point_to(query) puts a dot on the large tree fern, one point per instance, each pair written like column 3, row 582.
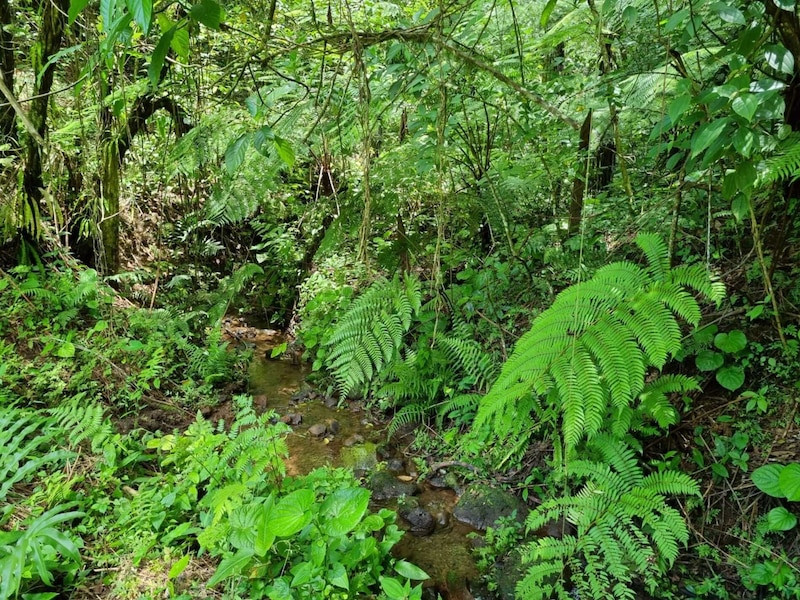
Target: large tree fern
column 620, row 529
column 585, row 358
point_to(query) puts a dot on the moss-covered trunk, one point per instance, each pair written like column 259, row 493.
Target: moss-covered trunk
column 8, row 120
column 51, row 32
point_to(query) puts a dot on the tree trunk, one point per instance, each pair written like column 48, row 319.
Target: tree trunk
column 8, row 120
column 579, row 182
column 48, row 43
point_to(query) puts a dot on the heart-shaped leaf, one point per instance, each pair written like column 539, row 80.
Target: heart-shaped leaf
column 731, row 342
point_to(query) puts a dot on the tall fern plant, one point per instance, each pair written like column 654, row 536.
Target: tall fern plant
column 368, row 337
column 620, row 528
column 583, row 362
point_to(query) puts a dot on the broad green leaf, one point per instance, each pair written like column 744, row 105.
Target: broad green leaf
column 292, row 513
column 75, row 8
column 728, row 13
column 788, row 5
column 371, row 523
column 302, row 574
column 108, row 9
column 66, row 350
column 233, row 565
column 745, row 105
column 179, row 566
column 410, row 571
column 264, row 535
column 261, row 137
column 676, row 20
column 707, row 134
column 780, row 519
column 708, row 360
column 337, row 575
column 180, row 43
column 731, row 377
column 745, row 175
column 285, row 150
column 548, row 10
column 236, row 151
column 780, row 59
column 731, row 342
column 343, row 510
column 789, row 480
column 142, row 12
column 720, row 470
column 158, row 56
column 740, row 207
column 393, row 588
column 744, row 141
column 207, row 12
column 629, row 15
column 679, row 106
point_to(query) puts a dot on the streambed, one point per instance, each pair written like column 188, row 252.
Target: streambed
column 326, row 435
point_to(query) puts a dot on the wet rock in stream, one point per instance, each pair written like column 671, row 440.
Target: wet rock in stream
column 421, row 521
column 293, row 419
column 385, row 486
column 317, row 429
column 354, row 439
column 359, row 457
column 480, row 506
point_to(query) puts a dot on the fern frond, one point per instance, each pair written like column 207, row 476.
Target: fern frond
column 82, row 420
column 588, row 353
column 368, row 336
column 626, row 530
column 784, row 165
column 409, row 414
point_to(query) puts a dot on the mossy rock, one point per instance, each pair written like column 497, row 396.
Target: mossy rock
column 480, row 506
column 360, row 457
column 384, row 486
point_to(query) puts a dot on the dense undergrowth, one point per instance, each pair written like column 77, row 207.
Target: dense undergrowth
column 111, row 486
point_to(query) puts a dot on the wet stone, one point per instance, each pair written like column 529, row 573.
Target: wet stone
column 354, row 439
column 480, row 506
column 330, row 401
column 317, row 430
column 384, row 486
column 292, row 419
column 332, row 426
column 421, row 521
column 395, row 465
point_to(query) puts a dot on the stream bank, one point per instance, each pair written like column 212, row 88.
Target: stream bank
column 325, row 434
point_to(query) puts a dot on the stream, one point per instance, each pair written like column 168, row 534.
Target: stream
column 327, row 435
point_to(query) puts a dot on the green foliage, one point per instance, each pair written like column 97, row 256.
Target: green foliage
column 624, row 528
column 587, row 355
column 37, row 550
column 368, row 337
column 27, row 441
column 779, row 481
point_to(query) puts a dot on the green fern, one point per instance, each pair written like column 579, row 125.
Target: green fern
column 82, row 420
column 784, row 165
column 624, row 528
column 26, row 439
column 587, row 355
column 229, row 289
column 369, row 335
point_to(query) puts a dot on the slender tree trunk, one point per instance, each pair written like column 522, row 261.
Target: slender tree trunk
column 8, row 121
column 579, row 182
column 109, row 193
column 51, row 31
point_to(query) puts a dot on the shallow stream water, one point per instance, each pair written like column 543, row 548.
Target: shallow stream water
column 445, row 554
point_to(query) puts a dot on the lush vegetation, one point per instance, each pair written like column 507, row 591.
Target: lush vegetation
column 559, row 236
